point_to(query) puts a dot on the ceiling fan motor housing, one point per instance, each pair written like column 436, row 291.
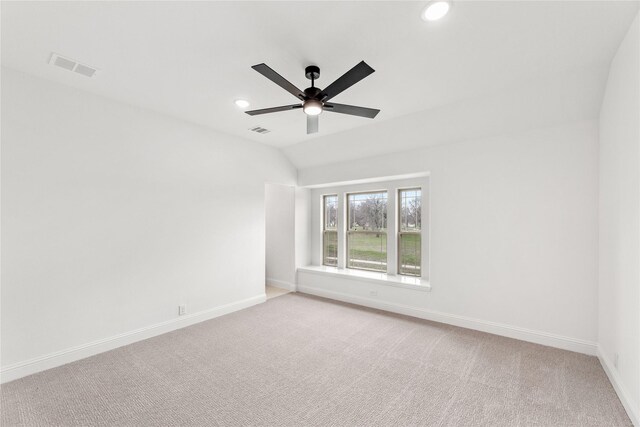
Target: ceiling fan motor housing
column 312, row 105
column 312, row 92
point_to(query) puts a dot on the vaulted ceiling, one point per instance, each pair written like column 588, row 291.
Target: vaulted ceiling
column 192, row 59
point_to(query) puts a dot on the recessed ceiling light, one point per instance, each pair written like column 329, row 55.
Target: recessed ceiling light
column 242, row 103
column 435, row 10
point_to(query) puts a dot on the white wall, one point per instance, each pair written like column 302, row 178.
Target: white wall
column 513, row 231
column 619, row 287
column 288, row 234
column 303, row 226
column 112, row 216
column 280, row 235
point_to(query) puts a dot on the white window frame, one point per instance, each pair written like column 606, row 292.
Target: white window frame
column 349, row 231
column 400, row 232
column 392, row 188
column 325, row 229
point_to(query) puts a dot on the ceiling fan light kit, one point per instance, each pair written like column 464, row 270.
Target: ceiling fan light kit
column 312, row 107
column 314, row 100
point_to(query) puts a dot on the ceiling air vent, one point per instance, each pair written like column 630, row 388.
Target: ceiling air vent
column 71, row 65
column 259, row 129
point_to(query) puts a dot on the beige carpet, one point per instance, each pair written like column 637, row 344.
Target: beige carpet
column 298, row 360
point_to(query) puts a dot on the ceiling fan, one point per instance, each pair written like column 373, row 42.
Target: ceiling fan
column 314, row 100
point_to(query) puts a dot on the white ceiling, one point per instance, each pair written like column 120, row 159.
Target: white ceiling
column 192, row 59
column 564, row 98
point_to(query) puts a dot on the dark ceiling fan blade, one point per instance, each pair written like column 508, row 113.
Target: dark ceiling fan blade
column 347, row 80
column 273, row 109
column 351, row 109
column 312, row 124
column 285, row 84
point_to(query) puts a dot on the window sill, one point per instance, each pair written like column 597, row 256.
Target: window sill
column 415, row 283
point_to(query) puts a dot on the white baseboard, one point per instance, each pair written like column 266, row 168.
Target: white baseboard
column 62, row 357
column 538, row 337
column 281, row 284
column 632, row 409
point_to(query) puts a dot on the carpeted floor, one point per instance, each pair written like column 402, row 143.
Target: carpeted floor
column 298, row 360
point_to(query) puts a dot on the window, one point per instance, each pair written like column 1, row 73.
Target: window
column 409, row 231
column 375, row 227
column 367, row 231
column 330, row 230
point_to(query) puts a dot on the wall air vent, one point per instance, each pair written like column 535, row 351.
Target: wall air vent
column 71, row 65
column 259, row 129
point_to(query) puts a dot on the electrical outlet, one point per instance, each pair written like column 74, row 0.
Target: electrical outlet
column 182, row 310
column 615, row 359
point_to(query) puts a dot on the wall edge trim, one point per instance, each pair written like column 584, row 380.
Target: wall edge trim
column 509, row 331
